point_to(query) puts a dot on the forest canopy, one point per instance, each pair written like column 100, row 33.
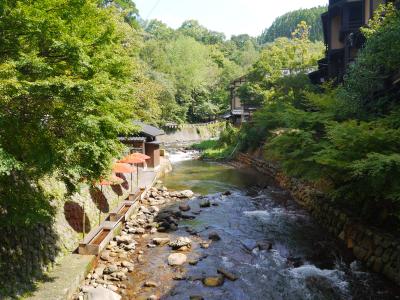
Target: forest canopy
column 284, row 25
column 193, row 67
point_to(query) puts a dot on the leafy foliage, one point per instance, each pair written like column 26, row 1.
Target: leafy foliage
column 281, row 68
column 376, row 62
column 284, row 25
column 221, row 149
column 69, row 86
column 344, row 140
column 193, row 66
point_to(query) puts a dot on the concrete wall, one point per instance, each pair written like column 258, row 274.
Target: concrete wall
column 378, row 250
column 195, row 132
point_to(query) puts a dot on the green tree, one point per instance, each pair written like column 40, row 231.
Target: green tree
column 375, row 64
column 284, row 25
column 67, row 88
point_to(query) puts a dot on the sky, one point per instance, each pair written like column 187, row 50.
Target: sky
column 231, row 17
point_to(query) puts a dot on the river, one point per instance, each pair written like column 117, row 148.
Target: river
column 304, row 263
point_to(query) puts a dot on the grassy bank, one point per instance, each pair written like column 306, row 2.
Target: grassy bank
column 220, row 149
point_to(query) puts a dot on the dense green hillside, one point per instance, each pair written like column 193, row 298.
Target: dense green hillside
column 284, row 25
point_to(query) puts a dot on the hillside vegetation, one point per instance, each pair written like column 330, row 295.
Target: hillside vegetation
column 284, row 25
column 344, row 140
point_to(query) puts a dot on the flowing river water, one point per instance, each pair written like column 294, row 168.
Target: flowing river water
column 305, row 262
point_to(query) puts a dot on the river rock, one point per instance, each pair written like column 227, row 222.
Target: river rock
column 193, row 262
column 127, row 264
column 154, row 209
column 161, row 241
column 152, row 297
column 137, row 230
column 294, row 261
column 150, row 284
column 177, row 259
column 184, row 207
column 110, row 269
column 186, row 194
column 196, row 297
column 205, row 203
column 322, row 285
column 227, row 193
column 106, row 256
column 187, row 217
column 99, row 270
column 214, row 281
column 264, row 245
column 205, row 245
column 249, row 244
column 113, row 254
column 173, row 227
column 112, row 287
column 144, row 210
column 214, row 236
column 180, row 242
column 124, row 239
column 119, row 275
column 228, row 275
column 131, row 246
column 101, row 293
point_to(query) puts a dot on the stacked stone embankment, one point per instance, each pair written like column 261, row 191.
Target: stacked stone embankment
column 380, row 251
column 110, row 277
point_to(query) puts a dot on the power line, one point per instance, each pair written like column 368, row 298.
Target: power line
column 153, row 9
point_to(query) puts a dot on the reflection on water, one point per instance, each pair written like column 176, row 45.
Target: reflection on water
column 211, row 177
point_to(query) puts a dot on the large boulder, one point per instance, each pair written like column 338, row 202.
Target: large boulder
column 205, row 203
column 161, row 241
column 214, row 281
column 214, row 236
column 101, row 293
column 125, row 239
column 180, row 242
column 186, row 194
column 177, row 259
column 184, row 207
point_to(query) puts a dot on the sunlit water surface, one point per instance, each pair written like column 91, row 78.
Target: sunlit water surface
column 304, row 263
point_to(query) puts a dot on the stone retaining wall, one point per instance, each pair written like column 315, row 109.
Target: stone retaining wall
column 27, row 254
column 378, row 250
column 192, row 132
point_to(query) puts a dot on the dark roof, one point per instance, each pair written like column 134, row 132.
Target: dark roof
column 226, row 116
column 241, row 78
column 148, row 130
column 132, row 139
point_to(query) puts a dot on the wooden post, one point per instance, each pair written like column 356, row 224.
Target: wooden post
column 83, row 221
column 98, row 204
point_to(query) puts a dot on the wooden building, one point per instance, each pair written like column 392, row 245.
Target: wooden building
column 145, row 142
column 239, row 112
column 342, row 36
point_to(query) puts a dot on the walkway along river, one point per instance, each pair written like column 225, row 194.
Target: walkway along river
column 247, row 237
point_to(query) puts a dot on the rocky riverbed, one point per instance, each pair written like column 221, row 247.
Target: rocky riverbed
column 147, row 230
column 236, row 236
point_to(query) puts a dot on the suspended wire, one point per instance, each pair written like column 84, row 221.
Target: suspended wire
column 153, row 9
